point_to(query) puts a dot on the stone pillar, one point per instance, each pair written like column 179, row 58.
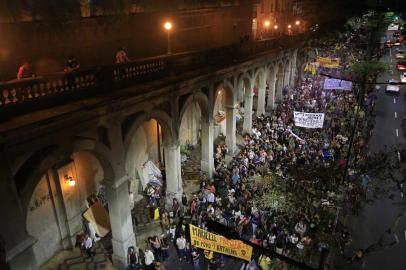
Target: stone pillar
column 231, row 129
column 120, row 220
column 15, row 244
column 174, row 187
column 279, row 87
column 247, row 125
column 207, row 162
column 293, row 69
column 261, row 100
column 271, row 96
column 286, row 79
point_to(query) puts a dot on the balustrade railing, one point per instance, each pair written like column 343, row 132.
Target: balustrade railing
column 17, row 93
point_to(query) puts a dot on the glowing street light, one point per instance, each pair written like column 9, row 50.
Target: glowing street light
column 297, row 22
column 168, row 27
column 276, row 27
column 289, row 26
column 267, row 23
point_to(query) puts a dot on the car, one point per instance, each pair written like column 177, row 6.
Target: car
column 392, row 86
column 403, row 77
column 400, row 54
column 401, row 65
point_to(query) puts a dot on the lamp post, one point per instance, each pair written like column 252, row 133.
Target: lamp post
column 168, row 28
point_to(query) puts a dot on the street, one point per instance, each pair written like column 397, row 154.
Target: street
column 377, row 217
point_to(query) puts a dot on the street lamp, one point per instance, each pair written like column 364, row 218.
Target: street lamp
column 267, row 23
column 297, row 22
column 168, row 27
column 276, row 27
column 289, row 26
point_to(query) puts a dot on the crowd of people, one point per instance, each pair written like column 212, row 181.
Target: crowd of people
column 287, row 156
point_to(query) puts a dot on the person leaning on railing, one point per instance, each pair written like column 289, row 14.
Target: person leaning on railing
column 24, row 71
column 72, row 64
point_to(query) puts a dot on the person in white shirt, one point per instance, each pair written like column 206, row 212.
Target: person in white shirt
column 149, row 260
column 87, row 244
column 181, row 245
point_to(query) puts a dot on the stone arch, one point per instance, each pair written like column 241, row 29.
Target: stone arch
column 161, row 117
column 259, row 83
column 41, row 161
column 230, row 111
column 201, row 99
column 244, row 82
column 229, row 93
column 42, row 190
column 271, row 73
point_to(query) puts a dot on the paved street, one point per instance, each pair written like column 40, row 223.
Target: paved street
column 378, row 216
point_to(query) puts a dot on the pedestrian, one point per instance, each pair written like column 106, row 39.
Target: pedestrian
column 149, row 260
column 87, row 246
column 184, row 199
column 132, row 259
column 181, row 245
column 195, row 259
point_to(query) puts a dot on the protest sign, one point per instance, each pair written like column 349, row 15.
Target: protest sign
column 209, row 241
column 337, row 84
column 328, row 62
column 309, row 120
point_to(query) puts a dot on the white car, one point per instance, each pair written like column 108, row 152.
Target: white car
column 397, row 43
column 393, row 86
column 403, row 77
column 400, row 54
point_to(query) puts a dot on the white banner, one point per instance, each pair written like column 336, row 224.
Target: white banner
column 337, row 84
column 393, row 27
column 309, row 120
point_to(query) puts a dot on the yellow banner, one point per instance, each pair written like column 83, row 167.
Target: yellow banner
column 217, row 243
column 328, row 62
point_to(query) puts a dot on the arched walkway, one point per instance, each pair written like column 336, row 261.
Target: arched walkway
column 224, row 114
column 61, row 196
column 149, row 143
column 260, row 85
column 196, row 128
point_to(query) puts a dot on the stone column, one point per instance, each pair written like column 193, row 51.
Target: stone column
column 286, row 79
column 16, row 244
column 261, row 100
column 207, row 162
column 279, row 87
column 120, row 220
column 293, row 69
column 247, row 125
column 174, row 187
column 271, row 96
column 231, row 129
